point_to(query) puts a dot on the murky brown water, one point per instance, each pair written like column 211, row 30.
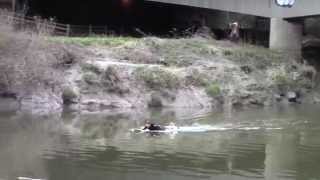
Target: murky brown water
column 276, row 143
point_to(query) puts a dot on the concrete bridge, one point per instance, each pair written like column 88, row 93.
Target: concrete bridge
column 264, row 8
column 287, row 16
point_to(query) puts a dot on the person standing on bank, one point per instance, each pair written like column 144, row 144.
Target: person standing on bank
column 234, row 35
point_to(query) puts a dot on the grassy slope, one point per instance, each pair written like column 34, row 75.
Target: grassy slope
column 94, row 40
column 205, row 63
column 188, row 52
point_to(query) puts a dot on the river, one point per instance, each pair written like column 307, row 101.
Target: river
column 269, row 143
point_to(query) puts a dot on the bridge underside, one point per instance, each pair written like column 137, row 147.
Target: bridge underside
column 286, row 26
column 264, row 8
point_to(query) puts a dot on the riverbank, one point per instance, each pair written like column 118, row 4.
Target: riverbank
column 100, row 73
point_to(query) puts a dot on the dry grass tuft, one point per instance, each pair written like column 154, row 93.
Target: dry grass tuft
column 28, row 60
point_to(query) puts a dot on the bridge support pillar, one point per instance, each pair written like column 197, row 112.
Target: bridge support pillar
column 286, row 36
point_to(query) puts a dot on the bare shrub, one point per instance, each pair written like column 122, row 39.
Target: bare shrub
column 44, row 26
column 69, row 95
column 6, row 17
column 28, row 66
column 28, row 61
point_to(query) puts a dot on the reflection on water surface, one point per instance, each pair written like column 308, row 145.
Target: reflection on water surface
column 275, row 143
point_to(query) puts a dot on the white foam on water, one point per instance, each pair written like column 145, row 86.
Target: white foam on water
column 194, row 128
column 250, row 128
column 205, row 128
column 27, row 178
column 275, row 128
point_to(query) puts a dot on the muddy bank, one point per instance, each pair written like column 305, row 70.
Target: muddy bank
column 175, row 73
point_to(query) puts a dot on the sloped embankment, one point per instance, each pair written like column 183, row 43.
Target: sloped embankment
column 193, row 72
column 43, row 75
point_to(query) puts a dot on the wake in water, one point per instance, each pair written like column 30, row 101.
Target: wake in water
column 172, row 128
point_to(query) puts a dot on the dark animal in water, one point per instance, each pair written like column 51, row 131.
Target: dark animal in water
column 153, row 127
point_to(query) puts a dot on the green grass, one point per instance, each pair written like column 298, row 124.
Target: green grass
column 213, row 90
column 90, row 78
column 88, row 67
column 94, row 40
column 157, row 78
column 69, row 95
column 197, row 78
column 3, row 40
column 258, row 57
column 179, row 52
